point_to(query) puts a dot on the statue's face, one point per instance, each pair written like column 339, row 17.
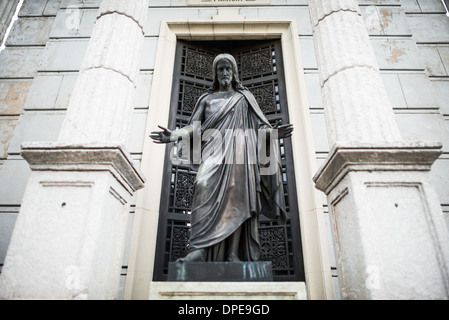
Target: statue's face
column 224, row 73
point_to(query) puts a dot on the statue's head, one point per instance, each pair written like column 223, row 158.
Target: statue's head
column 235, row 79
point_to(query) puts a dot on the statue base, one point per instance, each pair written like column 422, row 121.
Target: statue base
column 220, row 271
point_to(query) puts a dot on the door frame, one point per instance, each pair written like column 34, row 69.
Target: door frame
column 229, row 25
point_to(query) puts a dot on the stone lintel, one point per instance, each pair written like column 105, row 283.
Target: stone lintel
column 356, row 156
column 84, row 157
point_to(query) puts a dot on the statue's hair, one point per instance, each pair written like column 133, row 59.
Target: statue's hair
column 236, row 84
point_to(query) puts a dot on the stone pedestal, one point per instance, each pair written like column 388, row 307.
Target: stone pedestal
column 389, row 233
column 220, row 271
column 69, row 237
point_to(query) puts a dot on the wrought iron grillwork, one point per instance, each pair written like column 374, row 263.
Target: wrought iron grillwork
column 196, row 63
column 258, row 62
column 260, row 66
column 178, row 234
column 267, row 96
column 276, row 247
column 183, row 181
column 188, row 96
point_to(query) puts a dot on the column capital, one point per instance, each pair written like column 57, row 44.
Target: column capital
column 356, row 156
column 84, row 157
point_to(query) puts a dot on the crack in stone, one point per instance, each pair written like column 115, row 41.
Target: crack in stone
column 123, row 14
column 347, row 68
column 113, row 70
column 336, row 11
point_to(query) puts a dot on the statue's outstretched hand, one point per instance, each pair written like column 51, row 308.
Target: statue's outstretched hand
column 161, row 137
column 284, row 131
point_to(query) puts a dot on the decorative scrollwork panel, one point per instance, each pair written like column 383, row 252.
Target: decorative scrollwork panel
column 188, row 96
column 197, row 63
column 258, row 62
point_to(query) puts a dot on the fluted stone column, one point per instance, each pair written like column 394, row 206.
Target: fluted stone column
column 7, row 10
column 101, row 106
column 389, row 234
column 70, row 233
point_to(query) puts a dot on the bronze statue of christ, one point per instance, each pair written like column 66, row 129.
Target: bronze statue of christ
column 233, row 187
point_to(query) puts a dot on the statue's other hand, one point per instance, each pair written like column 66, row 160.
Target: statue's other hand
column 161, row 137
column 284, row 131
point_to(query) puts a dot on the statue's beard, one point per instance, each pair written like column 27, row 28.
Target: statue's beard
column 226, row 82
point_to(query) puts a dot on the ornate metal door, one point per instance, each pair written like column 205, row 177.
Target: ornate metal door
column 261, row 71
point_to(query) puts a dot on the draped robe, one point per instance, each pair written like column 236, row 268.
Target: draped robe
column 229, row 191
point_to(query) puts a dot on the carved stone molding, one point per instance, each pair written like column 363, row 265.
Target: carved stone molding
column 401, row 156
column 90, row 157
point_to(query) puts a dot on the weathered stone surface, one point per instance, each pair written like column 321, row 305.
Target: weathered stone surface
column 349, row 44
column 99, row 94
column 63, row 55
column 86, row 157
column 69, row 206
column 441, row 89
column 32, row 8
column 7, row 10
column 7, row 126
column 434, row 60
column 221, row 291
column 355, row 100
column 106, row 86
column 381, row 21
column 13, row 94
column 396, row 230
column 36, row 126
column 424, row 127
column 397, row 53
column 80, row 188
column 116, row 52
column 74, row 23
column 358, row 108
column 384, row 210
column 30, row 31
column 440, row 179
column 420, row 24
column 20, row 62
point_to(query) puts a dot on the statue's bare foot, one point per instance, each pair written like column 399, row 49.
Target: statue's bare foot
column 194, row 256
column 233, row 257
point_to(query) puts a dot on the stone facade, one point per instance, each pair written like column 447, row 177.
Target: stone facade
column 7, row 10
column 44, row 59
